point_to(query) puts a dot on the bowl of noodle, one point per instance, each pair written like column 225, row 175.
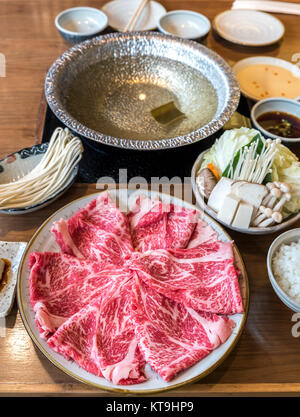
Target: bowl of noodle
column 34, row 177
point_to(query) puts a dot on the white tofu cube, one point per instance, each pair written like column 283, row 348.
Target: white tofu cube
column 219, row 192
column 243, row 215
column 228, row 208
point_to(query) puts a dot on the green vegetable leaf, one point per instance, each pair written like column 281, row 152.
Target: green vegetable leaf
column 236, row 158
column 224, row 148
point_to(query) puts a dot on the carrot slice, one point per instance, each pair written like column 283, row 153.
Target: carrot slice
column 213, row 170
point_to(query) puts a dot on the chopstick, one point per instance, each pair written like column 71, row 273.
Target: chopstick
column 135, row 17
column 267, row 6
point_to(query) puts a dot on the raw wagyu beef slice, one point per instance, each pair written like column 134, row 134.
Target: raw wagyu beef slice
column 172, row 337
column 101, row 338
column 148, row 224
column 203, row 233
column 155, row 225
column 60, row 285
column 151, row 286
column 75, row 338
column 99, row 231
column 181, row 224
column 203, row 278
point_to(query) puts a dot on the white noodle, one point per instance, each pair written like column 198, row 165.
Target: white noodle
column 51, row 174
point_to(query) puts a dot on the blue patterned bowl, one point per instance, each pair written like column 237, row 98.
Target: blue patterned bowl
column 80, row 23
column 18, row 164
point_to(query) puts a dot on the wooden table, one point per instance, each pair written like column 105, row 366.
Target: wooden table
column 267, row 358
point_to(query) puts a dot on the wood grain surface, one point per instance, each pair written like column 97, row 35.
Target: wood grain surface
column 267, row 358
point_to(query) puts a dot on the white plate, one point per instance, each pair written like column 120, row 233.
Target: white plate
column 13, row 252
column 251, row 230
column 248, row 27
column 265, row 60
column 44, row 241
column 119, row 12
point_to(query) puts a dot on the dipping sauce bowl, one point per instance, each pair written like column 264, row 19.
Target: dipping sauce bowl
column 80, row 23
column 184, row 24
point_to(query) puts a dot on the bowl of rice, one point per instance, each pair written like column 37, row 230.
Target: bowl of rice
column 283, row 268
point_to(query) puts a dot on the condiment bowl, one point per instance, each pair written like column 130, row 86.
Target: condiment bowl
column 284, row 105
column 288, row 237
column 184, row 24
column 268, row 80
column 80, row 23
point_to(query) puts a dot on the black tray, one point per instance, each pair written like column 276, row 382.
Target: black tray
column 106, row 161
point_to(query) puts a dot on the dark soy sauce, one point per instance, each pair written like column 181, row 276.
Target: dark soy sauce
column 280, row 124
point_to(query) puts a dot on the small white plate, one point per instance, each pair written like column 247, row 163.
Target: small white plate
column 249, row 27
column 11, row 251
column 119, row 12
column 43, row 240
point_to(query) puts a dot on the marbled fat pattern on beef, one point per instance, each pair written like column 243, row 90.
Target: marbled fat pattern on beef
column 119, row 295
column 171, row 336
column 203, row 278
column 155, row 225
column 60, row 285
column 99, row 231
column 203, row 233
column 101, row 337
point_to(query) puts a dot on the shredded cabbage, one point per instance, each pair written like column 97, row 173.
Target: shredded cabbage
column 286, row 168
column 227, row 146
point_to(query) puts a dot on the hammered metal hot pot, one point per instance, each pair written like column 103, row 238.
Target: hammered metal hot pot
column 109, row 80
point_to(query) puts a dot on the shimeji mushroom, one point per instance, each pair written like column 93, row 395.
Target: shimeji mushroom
column 286, row 197
column 270, row 199
column 270, row 211
column 265, row 213
column 275, row 218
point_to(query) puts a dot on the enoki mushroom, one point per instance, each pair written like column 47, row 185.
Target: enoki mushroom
column 254, row 167
column 52, row 173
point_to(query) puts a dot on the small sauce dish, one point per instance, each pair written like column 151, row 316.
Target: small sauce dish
column 286, row 107
column 80, row 23
column 286, row 238
column 184, row 24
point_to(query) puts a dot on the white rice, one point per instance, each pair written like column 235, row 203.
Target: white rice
column 286, row 269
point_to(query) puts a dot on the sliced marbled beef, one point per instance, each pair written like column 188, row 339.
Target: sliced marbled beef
column 146, row 286
column 203, row 233
column 203, row 278
column 99, row 231
column 155, row 225
column 173, row 337
column 60, row 285
column 101, row 337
